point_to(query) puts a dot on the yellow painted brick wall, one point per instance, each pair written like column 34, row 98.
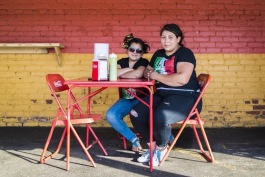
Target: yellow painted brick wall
column 235, row 98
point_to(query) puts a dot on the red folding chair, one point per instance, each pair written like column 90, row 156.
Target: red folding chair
column 56, row 85
column 194, row 119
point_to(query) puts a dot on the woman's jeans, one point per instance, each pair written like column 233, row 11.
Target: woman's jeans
column 116, row 114
column 167, row 109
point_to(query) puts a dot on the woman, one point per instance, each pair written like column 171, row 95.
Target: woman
column 173, row 68
column 131, row 67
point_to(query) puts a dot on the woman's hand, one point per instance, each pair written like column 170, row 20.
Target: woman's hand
column 147, row 72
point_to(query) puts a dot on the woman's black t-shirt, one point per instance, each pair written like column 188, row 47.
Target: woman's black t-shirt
column 164, row 64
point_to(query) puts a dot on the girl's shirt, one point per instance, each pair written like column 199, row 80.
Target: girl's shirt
column 124, row 63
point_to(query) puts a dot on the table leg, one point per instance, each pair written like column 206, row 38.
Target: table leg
column 151, row 130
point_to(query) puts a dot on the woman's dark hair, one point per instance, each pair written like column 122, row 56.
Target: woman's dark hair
column 174, row 29
column 129, row 39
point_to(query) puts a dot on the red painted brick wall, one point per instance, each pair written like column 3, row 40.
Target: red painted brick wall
column 227, row 37
column 210, row 26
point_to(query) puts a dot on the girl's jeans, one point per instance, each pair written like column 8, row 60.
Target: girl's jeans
column 115, row 116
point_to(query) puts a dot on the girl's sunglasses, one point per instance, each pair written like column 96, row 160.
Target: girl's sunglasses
column 135, row 50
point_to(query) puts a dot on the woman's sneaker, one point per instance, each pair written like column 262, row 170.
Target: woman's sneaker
column 136, row 146
column 158, row 156
column 145, row 157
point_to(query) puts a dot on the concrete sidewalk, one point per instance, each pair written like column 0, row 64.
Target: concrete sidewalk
column 238, row 152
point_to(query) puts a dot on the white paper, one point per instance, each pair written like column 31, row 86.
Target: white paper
column 102, row 69
column 101, row 48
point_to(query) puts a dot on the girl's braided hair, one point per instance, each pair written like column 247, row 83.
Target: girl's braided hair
column 129, row 39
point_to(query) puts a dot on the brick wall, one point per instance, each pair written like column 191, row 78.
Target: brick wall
column 235, row 98
column 227, row 37
column 210, row 26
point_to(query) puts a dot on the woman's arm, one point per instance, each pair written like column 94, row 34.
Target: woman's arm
column 182, row 77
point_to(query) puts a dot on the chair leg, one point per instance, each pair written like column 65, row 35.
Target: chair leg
column 208, row 156
column 43, row 159
column 87, row 136
column 82, row 145
column 172, row 144
column 90, row 130
column 124, row 143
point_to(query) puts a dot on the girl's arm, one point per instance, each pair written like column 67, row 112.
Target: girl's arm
column 133, row 73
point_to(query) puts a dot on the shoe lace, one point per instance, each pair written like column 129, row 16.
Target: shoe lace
column 146, row 154
column 156, row 154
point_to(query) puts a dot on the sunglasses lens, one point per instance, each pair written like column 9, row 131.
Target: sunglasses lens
column 138, row 51
column 133, row 50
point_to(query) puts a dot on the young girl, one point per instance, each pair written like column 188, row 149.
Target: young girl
column 132, row 66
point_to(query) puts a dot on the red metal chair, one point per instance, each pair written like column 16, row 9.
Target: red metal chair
column 194, row 119
column 56, row 85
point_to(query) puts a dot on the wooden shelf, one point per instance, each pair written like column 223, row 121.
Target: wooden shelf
column 22, row 48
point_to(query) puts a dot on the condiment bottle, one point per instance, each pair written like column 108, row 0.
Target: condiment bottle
column 95, row 69
column 113, row 67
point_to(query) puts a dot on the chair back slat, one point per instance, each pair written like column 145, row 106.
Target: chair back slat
column 203, row 80
column 56, row 82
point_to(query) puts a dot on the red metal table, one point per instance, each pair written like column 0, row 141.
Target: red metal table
column 120, row 83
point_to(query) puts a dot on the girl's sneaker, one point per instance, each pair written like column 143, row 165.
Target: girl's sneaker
column 136, row 146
